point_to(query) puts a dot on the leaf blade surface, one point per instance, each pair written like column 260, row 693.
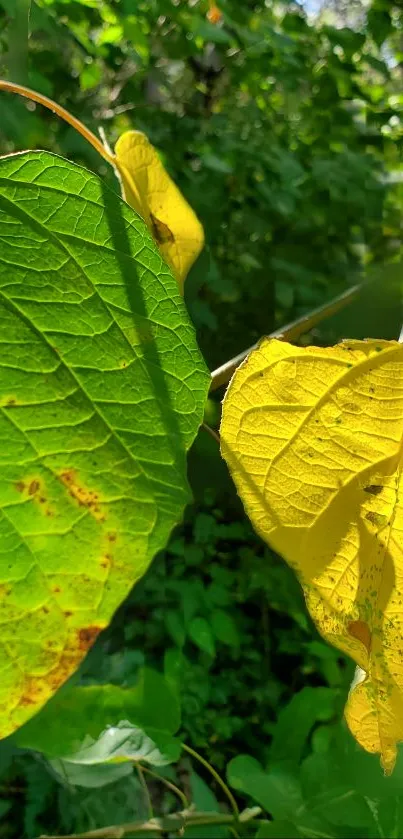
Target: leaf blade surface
column 102, row 390
column 313, row 438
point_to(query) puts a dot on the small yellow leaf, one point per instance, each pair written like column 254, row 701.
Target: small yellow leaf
column 149, row 190
column 314, row 441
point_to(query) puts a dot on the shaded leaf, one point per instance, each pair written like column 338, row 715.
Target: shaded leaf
column 102, row 390
column 116, row 745
column 224, row 628
column 150, row 190
column 78, row 712
column 200, row 632
column 280, row 829
column 278, row 790
column 296, row 720
column 313, row 438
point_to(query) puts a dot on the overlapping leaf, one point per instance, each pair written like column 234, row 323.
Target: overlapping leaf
column 102, row 390
column 149, row 189
column 314, row 441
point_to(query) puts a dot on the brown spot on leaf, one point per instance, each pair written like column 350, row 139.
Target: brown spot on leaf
column 373, row 489
column 84, row 496
column 33, row 487
column 27, row 700
column 161, row 231
column 87, row 636
column 20, row 486
column 378, row 519
column 111, row 537
column 361, row 631
column 68, row 614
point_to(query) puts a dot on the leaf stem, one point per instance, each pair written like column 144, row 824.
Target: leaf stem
column 166, row 824
column 181, row 795
column 217, row 778
column 211, row 431
column 143, row 782
column 290, row 332
column 61, row 112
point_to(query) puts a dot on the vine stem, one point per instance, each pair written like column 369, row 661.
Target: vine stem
column 61, row 112
column 181, row 795
column 217, row 778
column 212, row 432
column 143, row 782
column 290, row 332
column 173, row 823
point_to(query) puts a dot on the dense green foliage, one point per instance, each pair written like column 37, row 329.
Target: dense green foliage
column 284, row 133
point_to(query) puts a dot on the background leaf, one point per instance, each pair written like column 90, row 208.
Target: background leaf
column 79, row 712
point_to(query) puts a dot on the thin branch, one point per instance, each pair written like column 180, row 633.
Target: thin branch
column 211, row 431
column 290, row 332
column 217, row 778
column 181, row 795
column 147, row 796
column 62, row 113
column 166, row 824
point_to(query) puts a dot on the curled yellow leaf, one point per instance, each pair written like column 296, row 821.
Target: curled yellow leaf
column 152, row 193
column 314, row 441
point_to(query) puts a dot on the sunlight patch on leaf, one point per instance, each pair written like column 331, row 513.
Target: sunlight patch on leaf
column 313, row 438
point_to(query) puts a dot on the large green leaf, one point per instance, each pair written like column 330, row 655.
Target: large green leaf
column 102, row 389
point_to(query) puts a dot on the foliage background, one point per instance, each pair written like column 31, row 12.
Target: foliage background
column 281, row 123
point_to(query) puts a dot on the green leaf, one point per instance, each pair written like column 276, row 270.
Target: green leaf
column 102, row 388
column 329, row 796
column 92, row 777
column 204, row 801
column 224, row 628
column 115, row 746
column 295, row 721
column 175, row 628
column 280, row 829
column 278, row 791
column 200, row 633
column 77, row 712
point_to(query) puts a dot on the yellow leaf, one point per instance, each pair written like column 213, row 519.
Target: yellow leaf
column 149, row 190
column 314, row 441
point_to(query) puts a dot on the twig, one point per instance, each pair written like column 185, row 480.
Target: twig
column 166, row 824
column 217, row 778
column 147, row 796
column 62, row 113
column 181, row 795
column 211, row 431
column 291, row 331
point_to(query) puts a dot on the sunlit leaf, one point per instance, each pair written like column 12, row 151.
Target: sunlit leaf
column 102, row 389
column 150, row 190
column 313, row 438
